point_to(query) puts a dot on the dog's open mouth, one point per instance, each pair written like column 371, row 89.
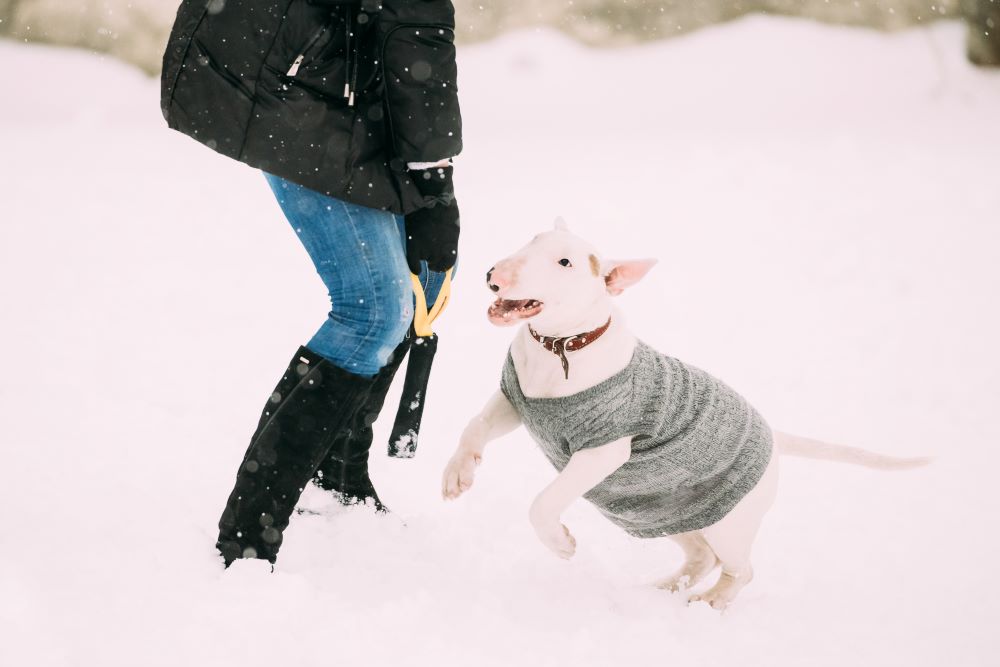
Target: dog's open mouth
column 507, row 311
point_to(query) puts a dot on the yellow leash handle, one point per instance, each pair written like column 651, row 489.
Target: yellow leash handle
column 422, row 317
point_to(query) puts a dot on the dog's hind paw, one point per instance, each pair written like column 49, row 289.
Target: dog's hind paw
column 675, row 584
column 689, row 575
column 725, row 590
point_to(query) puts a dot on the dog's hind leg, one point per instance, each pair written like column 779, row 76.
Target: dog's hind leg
column 731, row 545
column 732, row 539
column 699, row 560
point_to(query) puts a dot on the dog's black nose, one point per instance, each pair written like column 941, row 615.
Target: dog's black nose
column 489, row 281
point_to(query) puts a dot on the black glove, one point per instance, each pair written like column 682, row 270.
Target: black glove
column 432, row 231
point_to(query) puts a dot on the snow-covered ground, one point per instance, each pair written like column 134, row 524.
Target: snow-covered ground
column 826, row 206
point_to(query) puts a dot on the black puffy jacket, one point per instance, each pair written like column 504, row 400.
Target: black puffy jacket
column 336, row 95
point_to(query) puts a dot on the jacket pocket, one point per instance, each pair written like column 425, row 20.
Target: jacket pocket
column 308, row 48
column 336, row 61
column 419, row 76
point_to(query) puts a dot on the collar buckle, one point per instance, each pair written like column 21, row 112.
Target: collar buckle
column 560, row 346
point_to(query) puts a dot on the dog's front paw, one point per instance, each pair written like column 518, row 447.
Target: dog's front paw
column 459, row 474
column 557, row 538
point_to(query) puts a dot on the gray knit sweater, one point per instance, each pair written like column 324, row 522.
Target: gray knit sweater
column 697, row 446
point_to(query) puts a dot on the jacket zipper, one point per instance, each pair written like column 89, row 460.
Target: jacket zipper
column 349, row 81
column 294, row 69
column 299, row 59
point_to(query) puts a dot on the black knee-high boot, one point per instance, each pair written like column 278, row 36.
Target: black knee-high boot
column 345, row 468
column 311, row 405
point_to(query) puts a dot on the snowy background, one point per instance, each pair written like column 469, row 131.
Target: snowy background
column 136, row 30
column 825, row 203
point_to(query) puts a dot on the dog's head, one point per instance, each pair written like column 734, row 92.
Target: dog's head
column 556, row 280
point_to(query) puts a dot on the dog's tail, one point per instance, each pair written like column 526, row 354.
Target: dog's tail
column 793, row 445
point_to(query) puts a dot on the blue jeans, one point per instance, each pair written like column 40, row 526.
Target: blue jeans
column 359, row 254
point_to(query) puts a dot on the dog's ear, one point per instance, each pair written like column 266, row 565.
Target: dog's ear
column 620, row 275
column 560, row 225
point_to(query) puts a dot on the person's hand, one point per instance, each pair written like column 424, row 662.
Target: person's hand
column 432, row 231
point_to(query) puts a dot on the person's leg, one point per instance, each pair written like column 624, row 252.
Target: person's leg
column 345, row 469
column 313, row 400
column 357, row 254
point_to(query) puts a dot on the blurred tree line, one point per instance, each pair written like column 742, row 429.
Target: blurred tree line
column 136, row 30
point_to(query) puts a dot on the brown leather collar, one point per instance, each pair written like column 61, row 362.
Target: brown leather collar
column 560, row 346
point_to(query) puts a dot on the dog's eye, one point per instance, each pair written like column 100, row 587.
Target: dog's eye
column 565, row 262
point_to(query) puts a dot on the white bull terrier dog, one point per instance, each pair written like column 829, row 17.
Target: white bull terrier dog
column 661, row 448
